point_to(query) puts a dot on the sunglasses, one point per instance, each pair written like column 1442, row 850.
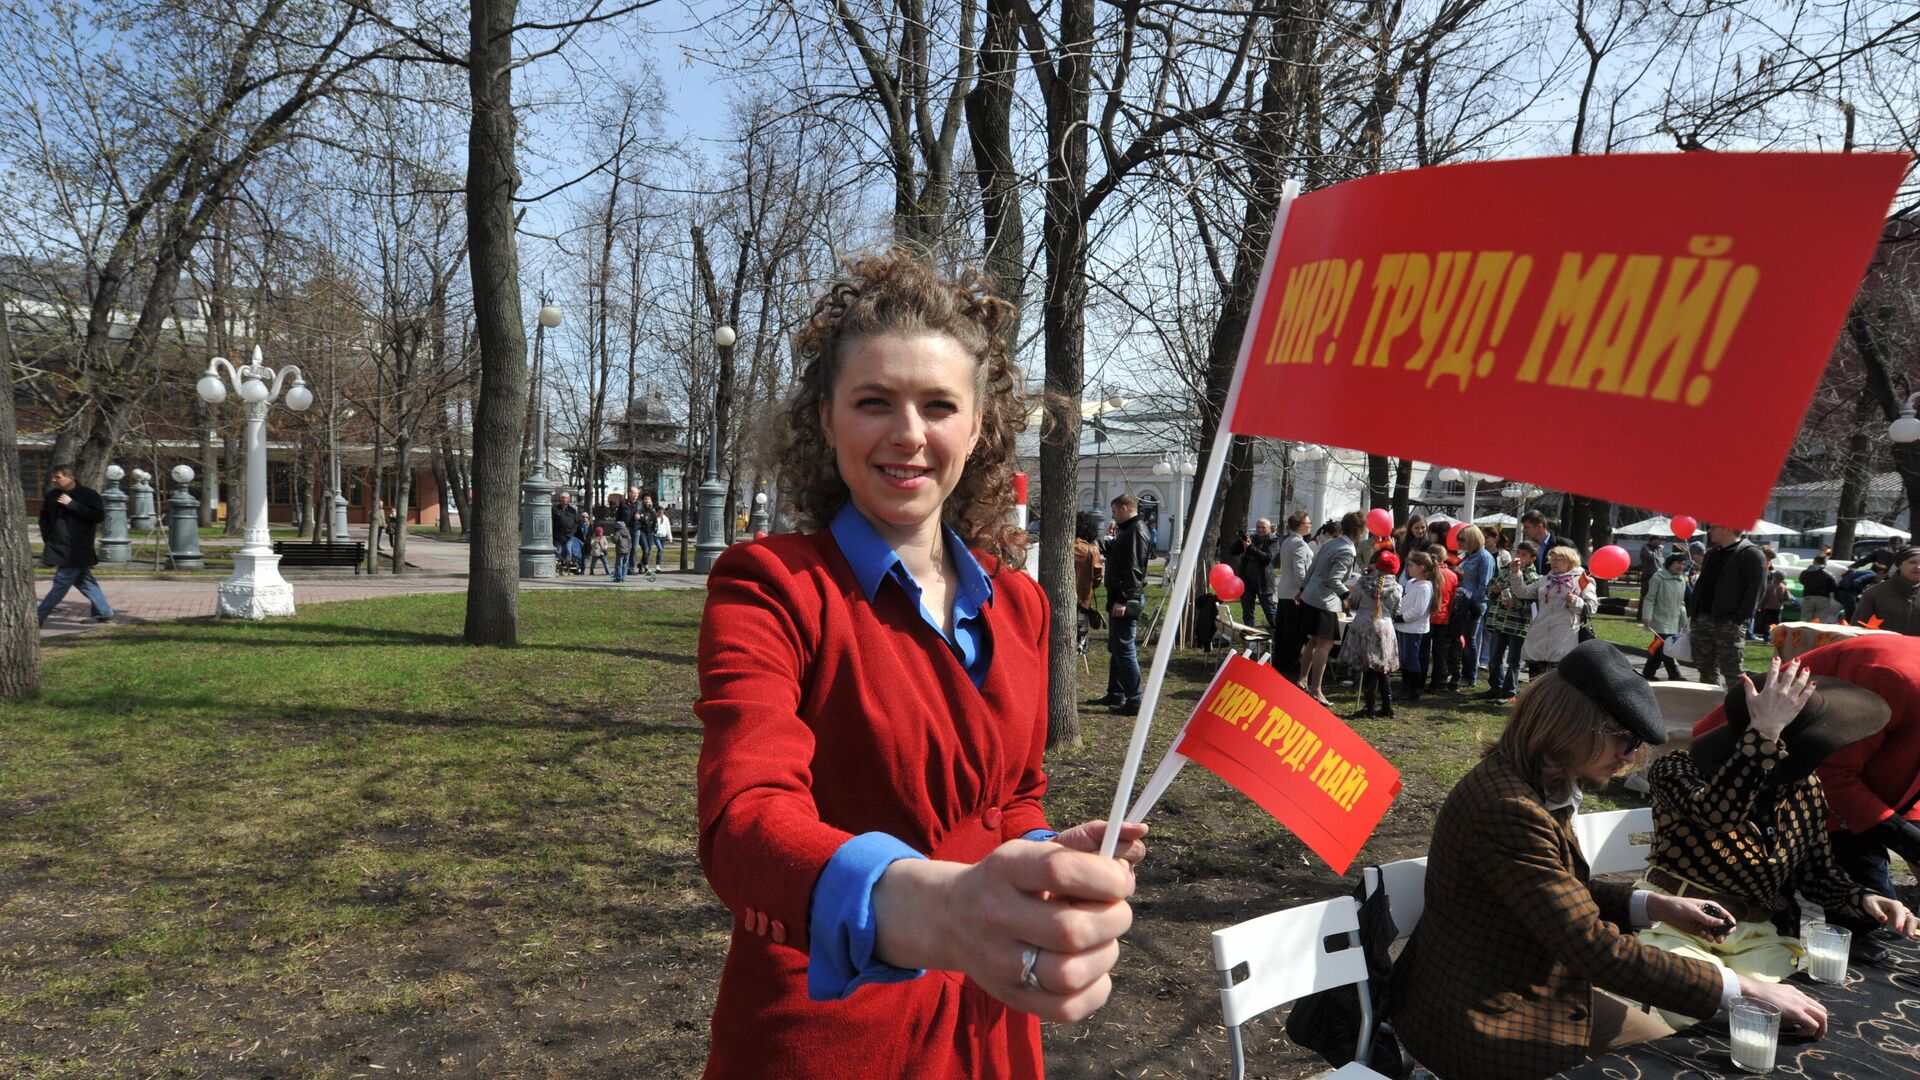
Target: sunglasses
column 1634, row 742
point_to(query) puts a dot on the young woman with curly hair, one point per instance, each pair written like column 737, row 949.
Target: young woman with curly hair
column 871, row 774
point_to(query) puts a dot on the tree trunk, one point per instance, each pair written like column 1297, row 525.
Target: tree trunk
column 1064, row 326
column 1402, row 489
column 990, row 128
column 402, row 499
column 19, row 627
column 1856, row 475
column 493, row 585
column 235, row 473
column 1379, row 481
column 1236, row 498
column 1579, row 523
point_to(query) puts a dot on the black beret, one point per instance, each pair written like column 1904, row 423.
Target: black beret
column 1597, row 669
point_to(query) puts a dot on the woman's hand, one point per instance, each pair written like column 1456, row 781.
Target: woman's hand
column 1788, row 691
column 1893, row 915
column 1692, row 915
column 979, row 920
column 1087, row 836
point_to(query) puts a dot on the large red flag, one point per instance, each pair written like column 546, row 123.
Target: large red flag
column 1556, row 320
column 1280, row 748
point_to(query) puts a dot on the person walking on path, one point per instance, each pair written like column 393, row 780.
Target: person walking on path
column 1724, row 600
column 566, row 526
column 1663, row 611
column 1817, row 585
column 1894, row 604
column 69, row 513
column 1127, row 555
column 621, row 539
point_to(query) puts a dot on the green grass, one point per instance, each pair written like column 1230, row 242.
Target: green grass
column 310, row 846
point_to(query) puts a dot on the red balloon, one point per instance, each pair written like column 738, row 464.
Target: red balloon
column 1453, row 536
column 1219, row 576
column 1610, row 562
column 1683, row 526
column 760, row 535
column 1231, row 589
column 1379, row 521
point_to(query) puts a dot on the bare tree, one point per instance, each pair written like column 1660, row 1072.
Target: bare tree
column 19, row 632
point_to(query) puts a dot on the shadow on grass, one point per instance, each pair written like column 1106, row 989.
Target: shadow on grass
column 189, row 631
column 214, row 705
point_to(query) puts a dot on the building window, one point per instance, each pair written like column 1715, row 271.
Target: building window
column 33, row 473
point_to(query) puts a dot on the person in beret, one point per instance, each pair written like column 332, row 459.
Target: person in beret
column 1740, row 820
column 1522, row 965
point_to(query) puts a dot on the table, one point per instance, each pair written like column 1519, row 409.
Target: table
column 1873, row 1030
column 1790, row 639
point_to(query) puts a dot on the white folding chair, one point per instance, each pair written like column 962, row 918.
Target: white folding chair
column 1682, row 705
column 1406, row 885
column 1606, row 839
column 1287, row 959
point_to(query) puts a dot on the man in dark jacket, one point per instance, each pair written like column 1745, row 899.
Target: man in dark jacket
column 1255, row 558
column 1724, row 601
column 566, row 534
column 69, row 513
column 1127, row 554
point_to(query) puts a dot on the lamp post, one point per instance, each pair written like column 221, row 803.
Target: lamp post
column 183, row 522
column 140, row 509
column 537, row 557
column 1472, row 481
column 758, row 524
column 1906, row 429
column 255, row 590
column 115, row 546
column 1181, row 468
column 712, row 537
column 337, row 500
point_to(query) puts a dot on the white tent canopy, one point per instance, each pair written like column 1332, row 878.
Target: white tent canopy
column 1764, row 527
column 1505, row 521
column 1442, row 518
column 1865, row 530
column 1653, row 526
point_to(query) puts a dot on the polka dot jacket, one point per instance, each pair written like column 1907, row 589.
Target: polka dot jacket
column 1731, row 834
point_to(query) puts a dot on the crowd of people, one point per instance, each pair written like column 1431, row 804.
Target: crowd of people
column 627, row 534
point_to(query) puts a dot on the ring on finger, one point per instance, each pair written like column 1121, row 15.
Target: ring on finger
column 1029, row 956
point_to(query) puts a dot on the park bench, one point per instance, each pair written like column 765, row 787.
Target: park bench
column 320, row 553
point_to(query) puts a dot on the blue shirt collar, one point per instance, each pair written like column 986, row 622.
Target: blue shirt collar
column 872, row 559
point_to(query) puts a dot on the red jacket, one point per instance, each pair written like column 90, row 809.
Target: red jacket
column 1449, row 581
column 1867, row 780
column 826, row 717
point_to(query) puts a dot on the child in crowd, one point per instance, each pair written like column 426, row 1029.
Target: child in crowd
column 598, row 547
column 1418, row 601
column 1369, row 646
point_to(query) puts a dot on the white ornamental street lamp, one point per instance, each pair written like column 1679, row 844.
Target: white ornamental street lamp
column 1181, row 468
column 1472, row 480
column 1907, row 428
column 1318, row 457
column 256, row 589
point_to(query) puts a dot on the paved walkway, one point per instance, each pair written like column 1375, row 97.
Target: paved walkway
column 436, row 566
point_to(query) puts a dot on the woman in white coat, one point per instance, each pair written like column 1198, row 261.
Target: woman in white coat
column 1563, row 600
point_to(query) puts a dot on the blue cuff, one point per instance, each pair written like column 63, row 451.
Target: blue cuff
column 1039, row 836
column 840, row 957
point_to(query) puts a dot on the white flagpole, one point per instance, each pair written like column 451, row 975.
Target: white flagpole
column 1195, row 533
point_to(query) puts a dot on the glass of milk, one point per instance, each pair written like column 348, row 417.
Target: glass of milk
column 1755, row 1026
column 1827, row 953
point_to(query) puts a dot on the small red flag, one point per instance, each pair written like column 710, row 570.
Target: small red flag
column 1259, row 732
column 1872, row 623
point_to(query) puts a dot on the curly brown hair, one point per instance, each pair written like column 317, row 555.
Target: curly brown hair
column 899, row 292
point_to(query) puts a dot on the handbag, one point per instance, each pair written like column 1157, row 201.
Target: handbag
column 1679, row 647
column 1328, row 1023
column 663, row 528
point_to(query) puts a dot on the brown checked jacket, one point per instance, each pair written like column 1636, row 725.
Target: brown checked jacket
column 1497, row 982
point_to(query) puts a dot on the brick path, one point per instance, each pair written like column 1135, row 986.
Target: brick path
column 441, row 568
